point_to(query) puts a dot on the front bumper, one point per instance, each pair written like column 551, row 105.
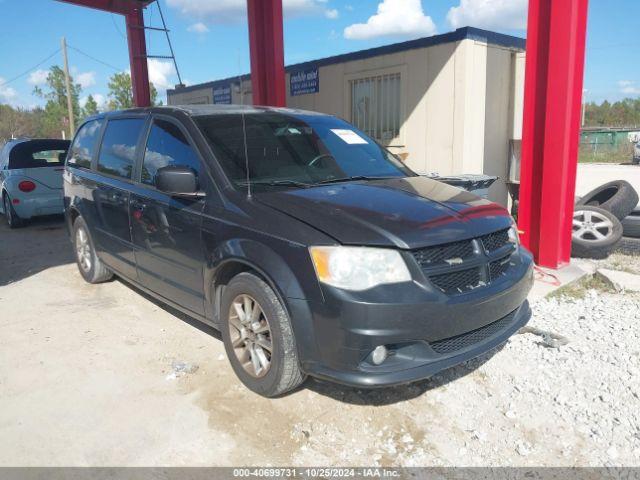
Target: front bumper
column 425, row 330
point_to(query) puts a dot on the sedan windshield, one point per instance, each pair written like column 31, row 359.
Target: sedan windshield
column 295, row 151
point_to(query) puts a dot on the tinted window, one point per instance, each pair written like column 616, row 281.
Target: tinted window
column 84, row 143
column 166, row 146
column 118, row 150
column 295, row 148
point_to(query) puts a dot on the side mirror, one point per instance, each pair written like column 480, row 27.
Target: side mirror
column 178, row 180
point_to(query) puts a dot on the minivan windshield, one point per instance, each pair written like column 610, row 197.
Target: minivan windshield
column 296, row 151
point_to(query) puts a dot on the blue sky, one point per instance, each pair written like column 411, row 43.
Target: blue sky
column 211, row 40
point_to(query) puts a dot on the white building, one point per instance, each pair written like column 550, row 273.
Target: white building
column 450, row 103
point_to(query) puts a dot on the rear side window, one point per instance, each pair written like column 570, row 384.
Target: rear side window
column 167, row 146
column 84, row 144
column 118, row 151
column 38, row 154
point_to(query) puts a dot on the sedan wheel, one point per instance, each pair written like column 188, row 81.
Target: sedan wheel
column 9, row 213
column 250, row 335
column 596, row 232
column 588, row 225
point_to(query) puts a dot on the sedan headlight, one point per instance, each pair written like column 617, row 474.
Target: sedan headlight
column 514, row 237
column 358, row 268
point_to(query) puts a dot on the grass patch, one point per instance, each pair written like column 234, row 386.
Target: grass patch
column 578, row 290
column 618, row 154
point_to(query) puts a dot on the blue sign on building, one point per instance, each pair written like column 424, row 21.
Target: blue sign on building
column 222, row 95
column 303, row 82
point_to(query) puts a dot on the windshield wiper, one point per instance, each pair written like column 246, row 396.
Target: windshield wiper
column 278, row 183
column 352, row 179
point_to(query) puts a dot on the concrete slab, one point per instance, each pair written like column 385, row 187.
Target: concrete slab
column 547, row 280
column 620, row 281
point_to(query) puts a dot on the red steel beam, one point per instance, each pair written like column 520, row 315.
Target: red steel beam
column 133, row 11
column 114, row 6
column 138, row 58
column 551, row 127
column 267, row 52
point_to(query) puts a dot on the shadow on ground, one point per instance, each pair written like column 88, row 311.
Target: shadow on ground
column 401, row 393
column 41, row 244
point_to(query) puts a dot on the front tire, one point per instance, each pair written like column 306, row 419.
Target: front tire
column 89, row 265
column 258, row 337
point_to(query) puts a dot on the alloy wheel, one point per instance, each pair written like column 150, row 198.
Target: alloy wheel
column 250, row 335
column 83, row 249
column 591, row 226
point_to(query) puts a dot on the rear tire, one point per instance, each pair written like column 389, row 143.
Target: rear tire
column 254, row 320
column 618, row 197
column 595, row 232
column 89, row 265
column 12, row 218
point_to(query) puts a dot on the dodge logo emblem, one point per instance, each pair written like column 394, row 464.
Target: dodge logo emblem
column 454, row 261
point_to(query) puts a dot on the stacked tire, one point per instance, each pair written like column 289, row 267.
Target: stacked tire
column 598, row 217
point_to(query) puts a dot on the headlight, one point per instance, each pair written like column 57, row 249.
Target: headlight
column 514, row 237
column 358, row 268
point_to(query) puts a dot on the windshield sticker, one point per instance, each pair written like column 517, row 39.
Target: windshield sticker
column 349, row 136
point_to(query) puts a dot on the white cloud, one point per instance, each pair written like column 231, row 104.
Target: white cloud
column 160, row 73
column 395, row 18
column 331, row 13
column 86, row 79
column 198, row 27
column 489, row 14
column 38, row 77
column 233, row 11
column 7, row 94
column 628, row 87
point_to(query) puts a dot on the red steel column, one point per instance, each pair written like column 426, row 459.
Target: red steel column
column 551, row 127
column 138, row 57
column 267, row 52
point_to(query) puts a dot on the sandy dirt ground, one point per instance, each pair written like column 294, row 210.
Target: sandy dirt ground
column 104, row 376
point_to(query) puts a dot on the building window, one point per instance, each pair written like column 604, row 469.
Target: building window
column 375, row 106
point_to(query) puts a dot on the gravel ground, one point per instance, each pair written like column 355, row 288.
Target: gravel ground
column 101, row 375
column 530, row 404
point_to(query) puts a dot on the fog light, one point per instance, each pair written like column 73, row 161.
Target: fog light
column 379, row 354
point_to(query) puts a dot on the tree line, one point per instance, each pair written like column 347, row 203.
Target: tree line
column 50, row 120
column 623, row 113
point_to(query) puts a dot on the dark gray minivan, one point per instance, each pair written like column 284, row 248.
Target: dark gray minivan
column 309, row 246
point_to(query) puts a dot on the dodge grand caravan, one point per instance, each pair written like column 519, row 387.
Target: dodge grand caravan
column 309, row 246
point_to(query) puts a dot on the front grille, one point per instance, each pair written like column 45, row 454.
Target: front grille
column 453, row 344
column 459, row 267
column 497, row 268
column 457, row 282
column 428, row 257
column 495, row 240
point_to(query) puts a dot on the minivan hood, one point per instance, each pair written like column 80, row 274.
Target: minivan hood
column 406, row 213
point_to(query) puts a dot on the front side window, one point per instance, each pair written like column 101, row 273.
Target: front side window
column 375, row 106
column 118, row 151
column 84, row 143
column 309, row 149
column 167, row 146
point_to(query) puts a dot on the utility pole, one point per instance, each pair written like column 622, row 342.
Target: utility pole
column 67, row 81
